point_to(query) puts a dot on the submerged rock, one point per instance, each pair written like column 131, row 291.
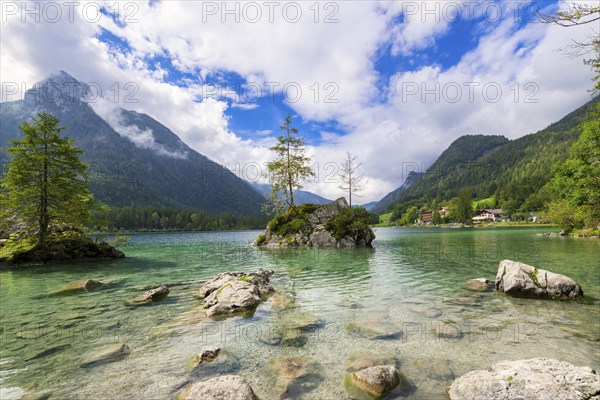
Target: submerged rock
column 448, row 330
column 373, row 329
column 42, row 395
column 289, row 329
column 283, row 336
column 105, row 355
column 152, row 295
column 372, row 383
column 436, row 369
column 478, row 285
column 211, row 363
column 50, row 351
column 358, row 361
column 281, row 301
column 207, row 354
column 82, row 286
column 425, row 310
column 299, row 320
column 522, row 280
column 294, row 376
column 234, row 292
column 537, row 378
column 227, row 387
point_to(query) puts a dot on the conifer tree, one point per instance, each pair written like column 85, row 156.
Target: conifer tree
column 46, row 182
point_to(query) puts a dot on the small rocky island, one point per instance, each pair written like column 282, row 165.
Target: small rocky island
column 63, row 243
column 330, row 225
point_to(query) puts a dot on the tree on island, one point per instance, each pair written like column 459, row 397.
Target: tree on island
column 350, row 180
column 290, row 167
column 46, row 182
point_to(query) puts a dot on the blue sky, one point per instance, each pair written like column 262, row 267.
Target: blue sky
column 264, row 113
column 197, row 69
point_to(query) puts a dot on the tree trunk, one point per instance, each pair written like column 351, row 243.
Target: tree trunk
column 350, row 187
column 43, row 217
column 289, row 170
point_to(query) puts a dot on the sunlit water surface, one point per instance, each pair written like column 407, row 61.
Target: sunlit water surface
column 44, row 338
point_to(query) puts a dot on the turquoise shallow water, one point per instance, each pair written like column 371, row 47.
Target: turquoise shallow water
column 410, row 279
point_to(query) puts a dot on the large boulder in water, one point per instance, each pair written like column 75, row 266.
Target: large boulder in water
column 537, row 378
column 522, row 280
column 226, row 387
column 375, row 382
column 234, row 292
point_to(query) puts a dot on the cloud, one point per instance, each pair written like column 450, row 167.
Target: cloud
column 143, row 139
column 245, row 106
column 390, row 129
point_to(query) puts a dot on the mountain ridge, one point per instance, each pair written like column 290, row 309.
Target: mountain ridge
column 123, row 172
column 300, row 196
column 512, row 171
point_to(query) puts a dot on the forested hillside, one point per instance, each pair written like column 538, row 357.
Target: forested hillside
column 512, row 173
column 153, row 219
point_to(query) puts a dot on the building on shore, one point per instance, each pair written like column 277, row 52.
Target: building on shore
column 489, row 215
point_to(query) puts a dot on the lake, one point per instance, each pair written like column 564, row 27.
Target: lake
column 410, row 280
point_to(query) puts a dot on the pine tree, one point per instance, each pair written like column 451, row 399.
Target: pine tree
column 46, row 182
column 290, row 167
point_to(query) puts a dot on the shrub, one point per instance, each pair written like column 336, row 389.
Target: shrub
column 295, row 220
column 352, row 222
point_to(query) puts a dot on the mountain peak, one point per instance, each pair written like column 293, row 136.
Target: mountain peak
column 61, row 75
column 59, row 87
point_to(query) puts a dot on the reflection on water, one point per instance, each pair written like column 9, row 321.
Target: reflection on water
column 409, row 282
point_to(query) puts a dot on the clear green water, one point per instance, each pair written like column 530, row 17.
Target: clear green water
column 407, row 271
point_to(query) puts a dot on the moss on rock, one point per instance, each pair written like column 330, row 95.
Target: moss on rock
column 61, row 245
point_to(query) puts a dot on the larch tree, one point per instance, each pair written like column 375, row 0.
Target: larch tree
column 351, row 181
column 291, row 166
column 46, row 182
